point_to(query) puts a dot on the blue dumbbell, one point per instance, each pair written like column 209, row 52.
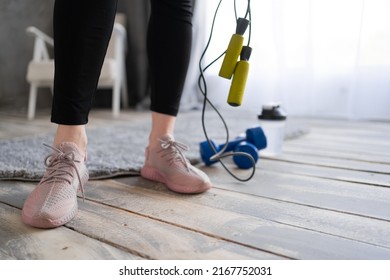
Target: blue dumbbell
column 254, row 136
column 242, row 161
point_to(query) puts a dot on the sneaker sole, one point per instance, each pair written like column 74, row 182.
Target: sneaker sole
column 47, row 223
column 153, row 174
column 40, row 222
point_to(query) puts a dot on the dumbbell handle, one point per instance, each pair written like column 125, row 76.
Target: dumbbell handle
column 253, row 135
column 231, row 145
column 246, row 155
column 207, row 152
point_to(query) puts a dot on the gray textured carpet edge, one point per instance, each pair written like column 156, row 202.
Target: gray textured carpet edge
column 119, row 150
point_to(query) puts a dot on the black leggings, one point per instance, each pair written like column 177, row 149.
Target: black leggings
column 82, row 30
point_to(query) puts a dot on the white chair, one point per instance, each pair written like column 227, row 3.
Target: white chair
column 40, row 70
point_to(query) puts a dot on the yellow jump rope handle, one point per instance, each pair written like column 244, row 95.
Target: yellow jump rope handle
column 232, row 53
column 237, row 87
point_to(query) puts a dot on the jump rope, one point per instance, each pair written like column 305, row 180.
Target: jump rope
column 231, row 67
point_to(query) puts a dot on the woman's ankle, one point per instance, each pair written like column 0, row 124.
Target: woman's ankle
column 72, row 133
column 162, row 125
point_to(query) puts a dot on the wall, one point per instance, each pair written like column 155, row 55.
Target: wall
column 16, row 49
column 316, row 58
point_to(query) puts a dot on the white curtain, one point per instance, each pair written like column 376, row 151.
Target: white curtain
column 322, row 58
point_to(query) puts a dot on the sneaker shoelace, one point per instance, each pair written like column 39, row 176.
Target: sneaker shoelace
column 54, row 165
column 174, row 151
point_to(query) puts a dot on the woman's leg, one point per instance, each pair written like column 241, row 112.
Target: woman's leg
column 169, row 50
column 82, row 30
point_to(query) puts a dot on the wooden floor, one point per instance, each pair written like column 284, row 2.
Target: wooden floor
column 326, row 197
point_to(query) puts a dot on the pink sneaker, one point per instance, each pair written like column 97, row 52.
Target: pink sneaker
column 54, row 201
column 167, row 165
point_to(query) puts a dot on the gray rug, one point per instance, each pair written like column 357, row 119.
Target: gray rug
column 119, row 150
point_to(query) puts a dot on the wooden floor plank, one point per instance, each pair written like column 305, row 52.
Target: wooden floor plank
column 380, row 146
column 326, row 197
column 156, row 239
column 353, row 134
column 346, row 124
column 360, row 137
column 257, row 232
column 348, row 197
column 318, row 151
column 364, row 229
column 18, row 126
column 149, row 238
column 323, row 145
column 18, row 241
column 342, row 163
column 331, row 173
